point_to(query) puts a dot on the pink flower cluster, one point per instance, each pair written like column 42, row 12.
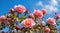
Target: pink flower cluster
column 38, row 13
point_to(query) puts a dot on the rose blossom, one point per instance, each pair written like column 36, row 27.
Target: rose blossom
column 11, row 10
column 38, row 13
column 26, row 11
column 17, row 27
column 51, row 21
column 31, row 15
column 3, row 19
column 28, row 23
column 20, row 8
column 57, row 15
column 44, row 11
column 47, row 30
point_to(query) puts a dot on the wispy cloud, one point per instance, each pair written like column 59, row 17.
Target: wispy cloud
column 54, row 2
column 51, row 7
column 39, row 3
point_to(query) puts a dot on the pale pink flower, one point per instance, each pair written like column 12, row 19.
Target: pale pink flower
column 57, row 15
column 38, row 13
column 3, row 19
column 20, row 8
column 51, row 21
column 28, row 23
column 31, row 15
column 44, row 11
column 47, row 30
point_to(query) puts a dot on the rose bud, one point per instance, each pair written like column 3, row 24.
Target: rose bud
column 26, row 11
column 11, row 10
column 57, row 16
column 17, row 27
column 31, row 16
column 44, row 11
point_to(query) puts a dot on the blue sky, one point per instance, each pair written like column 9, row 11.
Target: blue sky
column 51, row 5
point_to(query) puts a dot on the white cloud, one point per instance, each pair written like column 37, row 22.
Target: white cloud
column 51, row 7
column 39, row 3
column 54, row 2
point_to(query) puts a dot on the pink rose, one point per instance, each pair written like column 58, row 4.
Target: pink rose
column 44, row 11
column 20, row 8
column 3, row 19
column 17, row 27
column 57, row 16
column 38, row 13
column 11, row 10
column 51, row 21
column 28, row 23
column 47, row 30
column 31, row 15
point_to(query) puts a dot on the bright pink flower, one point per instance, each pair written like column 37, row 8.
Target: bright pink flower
column 31, row 15
column 28, row 23
column 51, row 21
column 44, row 11
column 57, row 15
column 38, row 13
column 17, row 27
column 11, row 10
column 20, row 8
column 3, row 19
column 47, row 29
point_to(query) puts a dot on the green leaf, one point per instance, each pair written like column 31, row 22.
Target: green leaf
column 23, row 17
